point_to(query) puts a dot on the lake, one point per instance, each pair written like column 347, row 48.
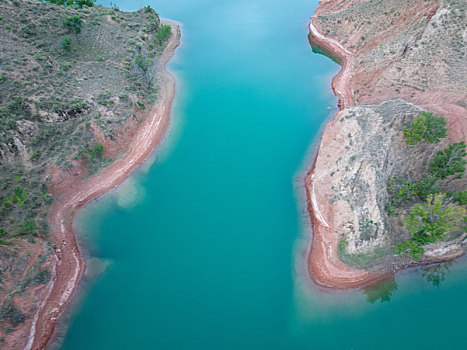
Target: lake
column 205, row 246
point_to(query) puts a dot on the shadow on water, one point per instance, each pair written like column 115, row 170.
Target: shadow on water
column 381, row 290
column 436, row 274
column 385, row 289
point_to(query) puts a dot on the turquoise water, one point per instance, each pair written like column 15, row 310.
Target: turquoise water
column 204, row 247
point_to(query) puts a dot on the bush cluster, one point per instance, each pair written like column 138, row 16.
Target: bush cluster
column 432, row 215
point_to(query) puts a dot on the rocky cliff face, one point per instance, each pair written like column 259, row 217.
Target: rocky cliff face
column 399, row 58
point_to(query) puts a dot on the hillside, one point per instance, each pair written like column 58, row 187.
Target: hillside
column 401, row 59
column 72, row 97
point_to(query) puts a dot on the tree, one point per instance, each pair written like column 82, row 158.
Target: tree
column 73, row 25
column 430, row 222
column 426, row 126
column 449, row 161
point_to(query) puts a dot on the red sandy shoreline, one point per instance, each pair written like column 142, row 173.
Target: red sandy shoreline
column 69, row 266
column 324, row 265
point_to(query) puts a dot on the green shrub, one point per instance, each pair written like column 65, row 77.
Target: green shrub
column 164, row 33
column 449, row 161
column 459, row 197
column 142, row 62
column 426, row 186
column 66, row 44
column 36, row 155
column 29, row 227
column 400, row 190
column 29, row 30
column 80, row 3
column 42, row 277
column 73, row 25
column 426, row 126
column 429, row 222
column 96, row 152
column 20, row 196
column 10, row 311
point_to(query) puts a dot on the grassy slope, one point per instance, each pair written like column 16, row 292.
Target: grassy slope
column 56, row 106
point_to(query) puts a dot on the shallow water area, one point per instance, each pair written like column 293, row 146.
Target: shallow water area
column 205, row 247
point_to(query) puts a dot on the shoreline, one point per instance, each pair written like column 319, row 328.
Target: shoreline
column 68, row 267
column 323, row 263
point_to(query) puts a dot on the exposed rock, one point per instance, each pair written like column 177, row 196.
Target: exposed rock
column 26, row 128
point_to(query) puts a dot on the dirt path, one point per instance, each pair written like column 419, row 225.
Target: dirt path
column 68, row 266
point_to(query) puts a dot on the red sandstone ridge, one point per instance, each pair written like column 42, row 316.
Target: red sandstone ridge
column 389, row 50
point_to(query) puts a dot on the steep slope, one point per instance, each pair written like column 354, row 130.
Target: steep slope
column 72, row 102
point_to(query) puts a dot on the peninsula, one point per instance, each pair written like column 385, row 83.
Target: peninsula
column 386, row 190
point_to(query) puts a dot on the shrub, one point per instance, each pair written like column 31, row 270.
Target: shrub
column 164, row 33
column 142, row 62
column 400, row 190
column 73, row 25
column 28, row 227
column 42, row 277
column 459, row 197
column 426, row 126
column 10, row 311
column 29, row 30
column 449, row 161
column 96, row 152
column 36, row 155
column 430, row 222
column 80, row 3
column 66, row 44
column 426, row 186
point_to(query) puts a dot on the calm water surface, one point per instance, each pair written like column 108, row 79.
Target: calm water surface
column 204, row 248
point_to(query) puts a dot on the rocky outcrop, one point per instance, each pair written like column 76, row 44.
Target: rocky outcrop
column 398, row 58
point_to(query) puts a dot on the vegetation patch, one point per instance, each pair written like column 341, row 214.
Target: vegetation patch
column 430, row 215
column 71, row 72
column 361, row 260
